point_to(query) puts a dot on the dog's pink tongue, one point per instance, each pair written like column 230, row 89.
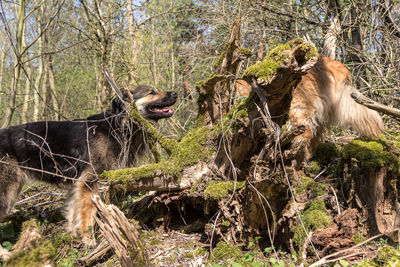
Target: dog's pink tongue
column 165, row 109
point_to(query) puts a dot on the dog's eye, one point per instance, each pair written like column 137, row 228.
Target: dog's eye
column 153, row 92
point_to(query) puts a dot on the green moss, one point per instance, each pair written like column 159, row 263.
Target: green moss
column 189, row 255
column 306, row 51
column 268, row 67
column 316, row 214
column 70, row 258
column 358, row 238
column 237, row 115
column 146, row 171
column 387, row 256
column 241, row 50
column 314, row 217
column 245, row 52
column 208, row 83
column 30, row 223
column 154, row 242
column 326, row 153
column 309, row 185
column 313, row 168
column 223, row 252
column 372, row 155
column 60, row 238
column 225, row 223
column 218, row 190
column 42, row 254
column 189, row 151
column 200, row 252
column 168, row 144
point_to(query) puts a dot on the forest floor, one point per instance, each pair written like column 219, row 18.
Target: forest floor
column 173, row 238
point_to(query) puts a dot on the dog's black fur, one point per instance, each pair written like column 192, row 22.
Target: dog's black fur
column 69, row 153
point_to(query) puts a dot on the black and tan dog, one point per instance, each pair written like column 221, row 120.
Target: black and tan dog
column 71, row 153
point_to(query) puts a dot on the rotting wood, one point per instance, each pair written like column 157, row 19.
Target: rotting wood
column 121, row 234
column 97, row 253
column 29, row 235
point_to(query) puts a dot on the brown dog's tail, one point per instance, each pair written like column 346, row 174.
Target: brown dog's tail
column 348, row 113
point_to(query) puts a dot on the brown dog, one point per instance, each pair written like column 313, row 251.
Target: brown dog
column 72, row 153
column 321, row 99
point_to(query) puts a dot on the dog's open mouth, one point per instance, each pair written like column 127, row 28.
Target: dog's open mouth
column 160, row 110
column 163, row 110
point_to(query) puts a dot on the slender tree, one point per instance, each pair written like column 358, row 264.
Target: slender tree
column 17, row 69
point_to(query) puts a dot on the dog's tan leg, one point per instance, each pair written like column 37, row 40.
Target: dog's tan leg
column 81, row 210
column 87, row 211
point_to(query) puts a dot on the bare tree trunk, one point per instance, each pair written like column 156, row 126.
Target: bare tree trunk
column 102, row 32
column 153, row 56
column 356, row 48
column 98, row 74
column 27, row 91
column 172, row 65
column 186, row 81
column 53, row 93
column 17, row 70
column 261, row 44
column 133, row 44
column 44, row 88
column 36, row 104
column 2, row 64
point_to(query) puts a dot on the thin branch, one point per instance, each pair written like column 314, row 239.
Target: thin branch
column 369, row 103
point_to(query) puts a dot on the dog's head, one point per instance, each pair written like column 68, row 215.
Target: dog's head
column 152, row 105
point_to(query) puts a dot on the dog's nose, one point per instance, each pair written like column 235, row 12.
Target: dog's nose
column 174, row 94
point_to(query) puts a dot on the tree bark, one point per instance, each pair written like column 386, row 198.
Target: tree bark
column 27, row 91
column 122, row 236
column 17, row 70
column 36, row 93
column 133, row 44
column 369, row 103
column 102, row 32
column 52, row 85
column 2, row 64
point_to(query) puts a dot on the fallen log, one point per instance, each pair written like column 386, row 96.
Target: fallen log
column 121, row 234
column 97, row 253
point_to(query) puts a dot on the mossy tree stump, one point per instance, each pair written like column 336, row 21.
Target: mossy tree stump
column 228, row 136
column 372, row 171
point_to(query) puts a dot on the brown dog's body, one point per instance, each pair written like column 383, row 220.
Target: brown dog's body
column 72, row 153
column 322, row 98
